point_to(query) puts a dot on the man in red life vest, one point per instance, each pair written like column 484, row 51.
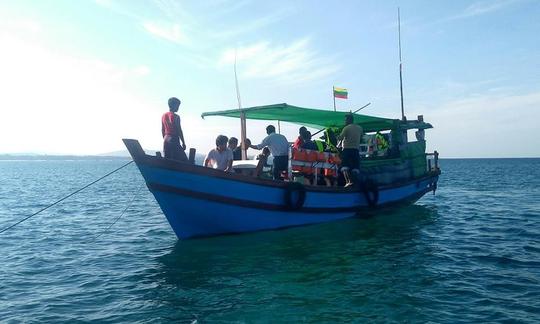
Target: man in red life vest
column 172, row 133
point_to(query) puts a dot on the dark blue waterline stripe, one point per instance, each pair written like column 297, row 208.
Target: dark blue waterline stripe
column 280, row 208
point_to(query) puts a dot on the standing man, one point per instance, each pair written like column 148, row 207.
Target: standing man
column 350, row 156
column 279, row 147
column 172, row 133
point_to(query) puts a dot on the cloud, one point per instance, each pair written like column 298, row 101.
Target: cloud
column 224, row 7
column 30, row 26
column 481, row 8
column 169, row 31
column 117, row 8
column 160, row 18
column 476, row 9
column 249, row 26
column 104, row 3
column 58, row 103
column 292, row 63
column 485, row 125
column 141, row 70
column 171, row 8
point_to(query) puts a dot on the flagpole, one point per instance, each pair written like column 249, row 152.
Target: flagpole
column 334, row 96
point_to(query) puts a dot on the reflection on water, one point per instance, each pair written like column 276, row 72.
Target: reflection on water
column 297, row 266
column 394, row 227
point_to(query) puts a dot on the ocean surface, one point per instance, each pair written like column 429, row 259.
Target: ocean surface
column 470, row 253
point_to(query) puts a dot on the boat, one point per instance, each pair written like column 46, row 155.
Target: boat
column 199, row 201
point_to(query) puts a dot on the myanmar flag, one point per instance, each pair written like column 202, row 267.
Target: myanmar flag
column 340, row 93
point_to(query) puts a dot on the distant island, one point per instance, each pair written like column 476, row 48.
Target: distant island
column 117, row 155
column 35, row 157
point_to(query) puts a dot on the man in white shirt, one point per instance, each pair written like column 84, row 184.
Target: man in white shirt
column 279, row 148
column 221, row 157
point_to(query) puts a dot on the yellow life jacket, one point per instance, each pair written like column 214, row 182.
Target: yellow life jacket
column 382, row 143
column 320, row 145
column 329, row 144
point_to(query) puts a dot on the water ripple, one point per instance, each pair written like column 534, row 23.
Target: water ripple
column 468, row 254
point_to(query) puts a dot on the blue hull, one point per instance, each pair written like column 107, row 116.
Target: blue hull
column 199, row 201
column 192, row 217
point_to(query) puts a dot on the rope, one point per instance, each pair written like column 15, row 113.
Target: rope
column 122, row 214
column 66, row 197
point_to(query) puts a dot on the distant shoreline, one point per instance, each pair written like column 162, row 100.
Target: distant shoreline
column 9, row 157
column 45, row 157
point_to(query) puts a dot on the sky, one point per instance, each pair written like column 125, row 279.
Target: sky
column 78, row 76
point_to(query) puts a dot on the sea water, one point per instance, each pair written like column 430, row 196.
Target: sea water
column 470, row 253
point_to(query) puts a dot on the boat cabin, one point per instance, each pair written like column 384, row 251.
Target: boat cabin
column 386, row 153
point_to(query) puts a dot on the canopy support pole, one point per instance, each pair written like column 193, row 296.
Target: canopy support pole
column 243, row 135
column 278, row 127
column 364, row 106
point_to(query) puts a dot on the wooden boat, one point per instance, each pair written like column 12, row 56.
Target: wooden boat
column 200, row 201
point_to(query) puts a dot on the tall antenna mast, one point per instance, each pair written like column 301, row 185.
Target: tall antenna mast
column 400, row 66
column 236, row 82
column 242, row 114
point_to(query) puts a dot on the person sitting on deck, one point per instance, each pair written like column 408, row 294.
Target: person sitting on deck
column 308, row 144
column 244, row 146
column 221, row 157
column 263, row 161
column 300, row 140
column 172, row 133
column 420, row 135
column 279, row 147
column 236, row 150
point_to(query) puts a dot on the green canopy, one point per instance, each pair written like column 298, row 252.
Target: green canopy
column 306, row 116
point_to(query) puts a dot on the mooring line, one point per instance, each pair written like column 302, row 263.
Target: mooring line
column 66, row 197
column 122, row 214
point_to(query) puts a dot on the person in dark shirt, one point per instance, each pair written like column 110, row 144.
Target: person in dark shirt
column 172, row 133
column 237, row 153
column 308, row 144
column 299, row 141
column 263, row 161
column 236, row 150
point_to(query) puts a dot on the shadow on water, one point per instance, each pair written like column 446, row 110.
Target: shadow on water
column 227, row 274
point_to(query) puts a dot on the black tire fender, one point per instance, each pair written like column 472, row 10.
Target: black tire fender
column 371, row 192
column 295, row 195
